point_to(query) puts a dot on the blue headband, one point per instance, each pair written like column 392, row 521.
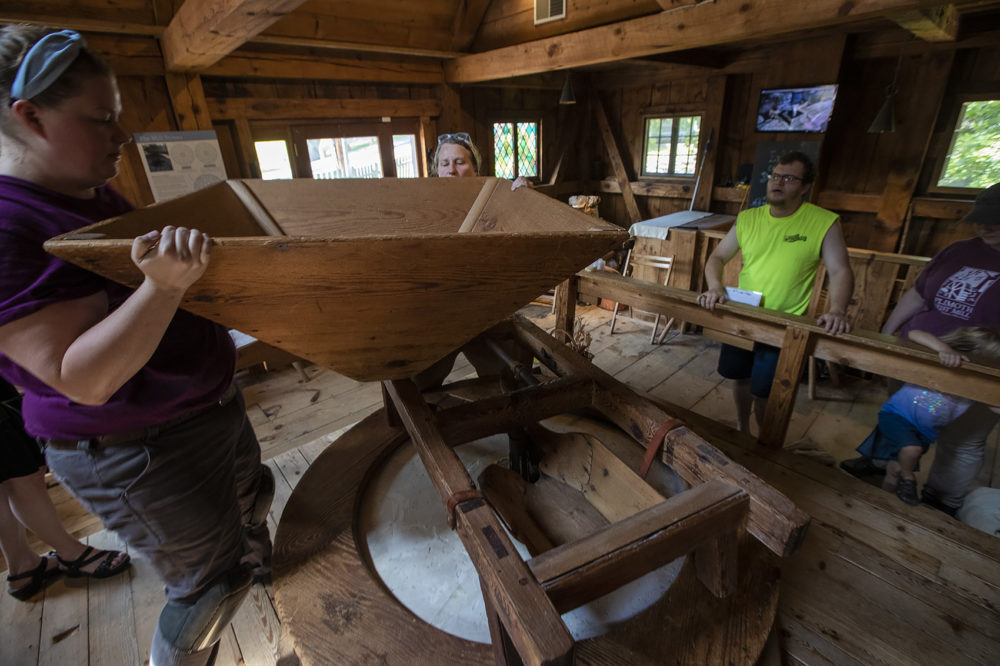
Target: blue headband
column 45, row 62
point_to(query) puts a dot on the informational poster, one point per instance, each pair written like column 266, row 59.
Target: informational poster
column 179, row 163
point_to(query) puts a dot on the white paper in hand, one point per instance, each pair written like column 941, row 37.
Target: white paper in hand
column 744, row 296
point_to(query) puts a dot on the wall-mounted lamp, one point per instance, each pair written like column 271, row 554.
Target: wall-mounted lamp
column 567, row 96
column 885, row 121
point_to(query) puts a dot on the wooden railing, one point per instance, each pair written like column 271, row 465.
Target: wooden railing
column 798, row 338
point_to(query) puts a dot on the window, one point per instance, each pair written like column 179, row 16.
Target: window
column 515, row 149
column 350, row 157
column 973, row 159
column 671, row 146
column 273, row 159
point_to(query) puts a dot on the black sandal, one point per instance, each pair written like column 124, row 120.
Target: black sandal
column 41, row 577
column 74, row 569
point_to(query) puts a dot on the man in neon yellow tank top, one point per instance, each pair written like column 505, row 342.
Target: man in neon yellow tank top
column 782, row 245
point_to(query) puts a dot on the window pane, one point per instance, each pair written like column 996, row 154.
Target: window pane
column 659, row 133
column 527, row 149
column 503, row 150
column 404, row 148
column 671, row 137
column 687, row 146
column 349, row 157
column 273, row 159
column 974, row 156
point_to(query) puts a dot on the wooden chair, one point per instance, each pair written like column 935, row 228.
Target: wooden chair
column 648, row 266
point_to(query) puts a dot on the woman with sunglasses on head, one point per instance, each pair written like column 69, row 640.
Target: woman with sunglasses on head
column 457, row 157
column 132, row 397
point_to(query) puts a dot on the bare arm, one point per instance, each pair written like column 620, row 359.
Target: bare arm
column 838, row 268
column 909, row 304
column 86, row 354
column 946, row 355
column 723, row 252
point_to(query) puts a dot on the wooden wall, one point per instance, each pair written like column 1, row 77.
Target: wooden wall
column 877, row 182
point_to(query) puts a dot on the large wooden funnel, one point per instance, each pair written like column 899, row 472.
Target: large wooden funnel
column 376, row 279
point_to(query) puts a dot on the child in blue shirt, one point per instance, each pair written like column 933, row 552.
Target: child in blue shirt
column 912, row 418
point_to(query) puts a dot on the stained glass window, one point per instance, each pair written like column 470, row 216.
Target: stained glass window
column 671, row 146
column 515, row 149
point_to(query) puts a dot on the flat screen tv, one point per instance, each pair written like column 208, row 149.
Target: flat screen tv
column 795, row 109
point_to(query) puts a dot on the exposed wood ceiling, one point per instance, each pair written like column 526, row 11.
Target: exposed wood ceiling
column 463, row 40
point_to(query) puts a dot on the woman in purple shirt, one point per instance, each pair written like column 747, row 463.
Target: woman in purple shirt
column 133, row 398
column 959, row 287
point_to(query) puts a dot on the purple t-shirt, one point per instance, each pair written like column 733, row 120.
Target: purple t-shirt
column 960, row 287
column 192, row 366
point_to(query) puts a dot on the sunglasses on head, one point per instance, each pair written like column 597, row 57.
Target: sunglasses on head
column 456, row 136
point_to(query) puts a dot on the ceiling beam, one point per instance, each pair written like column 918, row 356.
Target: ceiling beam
column 467, row 20
column 934, row 24
column 255, row 108
column 202, row 32
column 148, row 30
column 683, row 28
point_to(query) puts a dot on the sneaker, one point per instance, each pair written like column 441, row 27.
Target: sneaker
column 906, row 490
column 861, row 466
column 931, row 500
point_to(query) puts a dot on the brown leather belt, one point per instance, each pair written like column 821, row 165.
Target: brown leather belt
column 138, row 434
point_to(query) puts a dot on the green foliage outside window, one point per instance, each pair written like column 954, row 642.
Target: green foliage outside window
column 974, row 157
column 515, row 150
column 671, row 147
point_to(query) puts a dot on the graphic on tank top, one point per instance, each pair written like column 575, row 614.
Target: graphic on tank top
column 958, row 295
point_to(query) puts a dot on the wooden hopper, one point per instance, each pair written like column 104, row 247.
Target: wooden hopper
column 376, row 279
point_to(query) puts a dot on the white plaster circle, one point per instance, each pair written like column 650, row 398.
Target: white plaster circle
column 423, row 563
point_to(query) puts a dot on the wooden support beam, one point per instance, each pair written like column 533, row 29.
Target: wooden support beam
column 913, row 139
column 711, row 126
column 522, row 407
column 703, row 24
column 717, row 563
column 791, row 361
column 931, row 24
column 578, row 572
column 258, row 108
column 188, row 100
column 865, row 350
column 615, row 157
column 566, row 296
column 522, row 607
column 468, row 16
column 773, row 519
column 202, row 32
column 294, row 66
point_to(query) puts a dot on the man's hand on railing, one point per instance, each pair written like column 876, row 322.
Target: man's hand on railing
column 709, row 298
column 835, row 323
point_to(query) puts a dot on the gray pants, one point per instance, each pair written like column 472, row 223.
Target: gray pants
column 182, row 498
column 958, row 455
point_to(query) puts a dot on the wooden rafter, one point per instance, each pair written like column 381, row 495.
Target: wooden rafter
column 467, row 19
column 934, row 24
column 149, row 30
column 202, row 32
column 687, row 27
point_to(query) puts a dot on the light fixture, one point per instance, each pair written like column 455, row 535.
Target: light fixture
column 567, row 96
column 885, row 121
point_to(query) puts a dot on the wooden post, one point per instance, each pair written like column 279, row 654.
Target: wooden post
column 621, row 175
column 566, row 295
column 794, row 351
column 717, row 565
column 526, row 613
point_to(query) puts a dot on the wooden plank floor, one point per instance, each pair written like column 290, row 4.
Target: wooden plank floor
column 930, row 584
